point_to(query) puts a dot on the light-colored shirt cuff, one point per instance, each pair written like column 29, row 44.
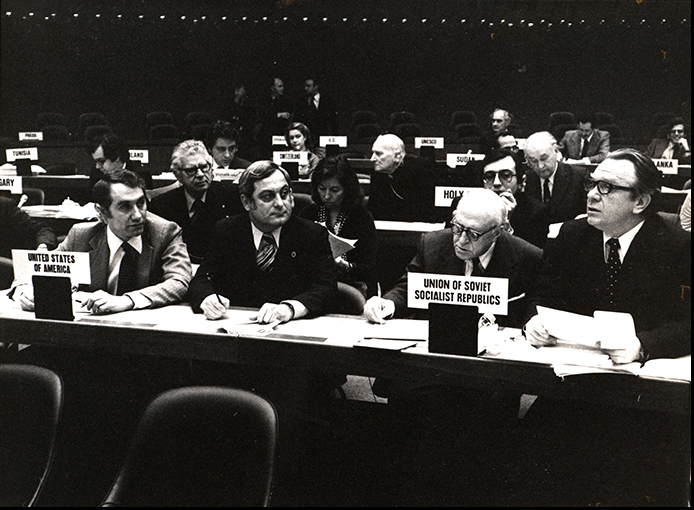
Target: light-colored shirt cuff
column 139, row 300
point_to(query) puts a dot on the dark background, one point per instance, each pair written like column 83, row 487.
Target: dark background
column 126, row 58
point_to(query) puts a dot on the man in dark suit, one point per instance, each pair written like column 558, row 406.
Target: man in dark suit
column 223, row 146
column 623, row 257
column 586, row 144
column 266, row 258
column 504, row 174
column 199, row 202
column 273, row 116
column 316, row 110
column 552, row 181
column 478, row 234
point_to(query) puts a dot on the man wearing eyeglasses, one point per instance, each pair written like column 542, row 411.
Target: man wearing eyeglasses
column 503, row 173
column 552, row 181
column 266, row 258
column 623, row 257
column 199, row 202
column 477, row 244
column 653, row 269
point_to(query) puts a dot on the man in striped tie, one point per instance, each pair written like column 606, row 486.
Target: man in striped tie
column 266, row 258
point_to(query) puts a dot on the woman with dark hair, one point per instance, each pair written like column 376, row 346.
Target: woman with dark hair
column 298, row 138
column 672, row 144
column 338, row 199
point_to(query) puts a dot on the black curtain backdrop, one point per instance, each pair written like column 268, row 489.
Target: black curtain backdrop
column 127, row 58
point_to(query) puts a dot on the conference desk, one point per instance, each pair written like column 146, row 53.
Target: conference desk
column 329, row 343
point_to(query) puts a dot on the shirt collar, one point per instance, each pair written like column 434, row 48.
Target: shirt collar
column 190, row 199
column 114, row 242
column 258, row 235
column 625, row 241
column 486, row 257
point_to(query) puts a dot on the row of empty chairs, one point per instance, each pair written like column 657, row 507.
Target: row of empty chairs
column 193, row 446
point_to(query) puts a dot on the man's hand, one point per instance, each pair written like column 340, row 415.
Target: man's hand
column 214, row 307
column 377, row 309
column 271, row 312
column 341, row 264
column 536, row 333
column 629, row 350
column 101, row 302
column 509, row 202
column 24, row 295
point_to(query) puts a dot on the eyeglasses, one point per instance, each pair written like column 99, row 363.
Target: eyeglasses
column 604, row 187
column 505, row 176
column 677, row 131
column 472, row 235
column 190, row 172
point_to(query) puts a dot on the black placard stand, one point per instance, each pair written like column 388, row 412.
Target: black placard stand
column 53, row 297
column 292, row 169
column 23, row 167
column 453, row 329
column 331, row 150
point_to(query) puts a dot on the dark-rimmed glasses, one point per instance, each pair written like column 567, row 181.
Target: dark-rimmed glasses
column 190, row 172
column 604, row 187
column 472, row 235
column 505, row 176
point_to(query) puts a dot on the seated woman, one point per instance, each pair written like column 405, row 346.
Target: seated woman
column 338, row 198
column 298, row 139
column 673, row 145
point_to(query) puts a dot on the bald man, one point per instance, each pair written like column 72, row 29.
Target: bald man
column 478, row 236
column 552, row 181
column 402, row 185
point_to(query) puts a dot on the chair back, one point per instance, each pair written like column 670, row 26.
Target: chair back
column 31, row 401
column 94, row 132
column 163, row 132
column 462, row 117
column 407, row 131
column 556, row 118
column 201, row 132
column 366, row 133
column 158, row 117
column 200, row 446
column 301, row 200
column 602, row 118
column 559, row 130
column 35, row 196
column 403, row 117
column 363, row 117
column 350, row 301
column 55, row 133
column 50, row 119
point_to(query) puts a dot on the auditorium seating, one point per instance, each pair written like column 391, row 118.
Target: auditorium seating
column 196, row 119
column 159, row 118
column 50, row 119
column 559, row 118
column 89, row 119
column 559, row 130
column 200, row 132
column 94, row 132
column 603, row 118
column 366, row 134
column 55, row 133
column 401, row 117
column 407, row 131
column 462, row 117
column 616, row 136
column 468, row 133
column 160, row 132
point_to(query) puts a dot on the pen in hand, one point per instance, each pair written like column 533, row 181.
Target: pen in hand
column 209, row 279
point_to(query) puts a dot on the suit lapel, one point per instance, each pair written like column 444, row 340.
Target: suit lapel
column 561, row 184
column 98, row 260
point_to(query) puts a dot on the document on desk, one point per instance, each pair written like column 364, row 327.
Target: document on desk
column 604, row 329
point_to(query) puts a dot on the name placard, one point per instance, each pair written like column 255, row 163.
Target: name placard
column 227, row 174
column 489, row 295
column 31, row 136
column 340, row 141
column 279, row 140
column 280, row 157
column 13, row 184
column 31, row 153
column 667, row 166
column 444, row 195
column 453, row 160
column 27, row 263
column 141, row 155
column 434, row 142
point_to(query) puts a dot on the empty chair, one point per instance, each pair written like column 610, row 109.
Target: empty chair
column 158, row 118
column 366, row 133
column 55, row 133
column 462, row 117
column 397, row 118
column 468, row 132
column 94, row 132
column 363, row 117
column 603, row 118
column 50, row 119
column 31, row 400
column 35, row 196
column 616, row 136
column 200, row 446
column 163, row 132
column 557, row 118
column 559, row 130
column 407, row 131
column 201, row 132
column 196, row 118
column 89, row 119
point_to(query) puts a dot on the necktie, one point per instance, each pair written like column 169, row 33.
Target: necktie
column 127, row 274
column 613, row 266
column 477, row 267
column 266, row 252
column 584, row 150
column 546, row 195
column 196, row 208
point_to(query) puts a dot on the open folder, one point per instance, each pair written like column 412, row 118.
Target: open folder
column 339, row 245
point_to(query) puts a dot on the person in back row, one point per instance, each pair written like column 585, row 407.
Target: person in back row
column 110, row 154
column 199, row 202
column 223, row 146
column 586, row 144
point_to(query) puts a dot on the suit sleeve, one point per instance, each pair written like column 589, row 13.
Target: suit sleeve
column 176, row 270
column 603, row 148
column 398, row 294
